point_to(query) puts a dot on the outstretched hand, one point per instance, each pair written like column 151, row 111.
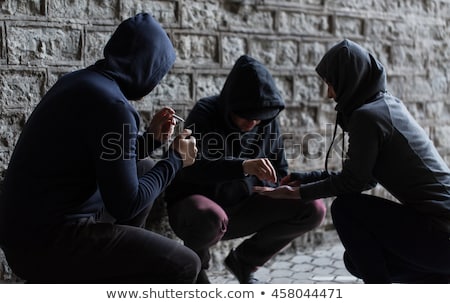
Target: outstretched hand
column 282, row 192
column 288, row 180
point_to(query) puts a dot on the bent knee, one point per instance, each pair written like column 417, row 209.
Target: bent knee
column 343, row 205
column 204, row 223
column 187, row 267
column 316, row 213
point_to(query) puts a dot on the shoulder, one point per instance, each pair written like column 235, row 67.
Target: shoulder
column 207, row 105
column 204, row 110
column 375, row 111
column 372, row 116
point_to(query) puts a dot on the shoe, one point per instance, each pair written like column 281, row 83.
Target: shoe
column 243, row 272
column 202, row 278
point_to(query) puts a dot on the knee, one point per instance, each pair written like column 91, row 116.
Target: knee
column 317, row 212
column 204, row 223
column 336, row 207
column 342, row 206
column 190, row 267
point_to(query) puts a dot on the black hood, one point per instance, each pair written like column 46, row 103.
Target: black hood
column 356, row 76
column 250, row 91
column 137, row 56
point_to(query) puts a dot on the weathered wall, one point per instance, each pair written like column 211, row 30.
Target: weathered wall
column 42, row 39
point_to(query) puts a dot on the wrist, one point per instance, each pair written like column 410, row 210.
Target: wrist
column 295, row 192
column 244, row 168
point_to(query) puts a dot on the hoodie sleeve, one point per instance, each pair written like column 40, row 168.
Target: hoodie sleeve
column 114, row 142
column 365, row 141
column 146, row 145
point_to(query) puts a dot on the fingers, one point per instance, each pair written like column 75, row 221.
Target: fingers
column 283, row 192
column 186, row 146
column 261, row 168
column 285, row 180
column 186, row 133
column 261, row 189
column 167, row 110
column 265, row 170
column 271, row 174
column 163, row 115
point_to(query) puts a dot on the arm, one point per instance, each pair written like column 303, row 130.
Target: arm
column 114, row 143
column 365, row 141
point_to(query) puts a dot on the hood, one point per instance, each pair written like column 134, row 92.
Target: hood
column 250, row 91
column 137, row 56
column 356, row 76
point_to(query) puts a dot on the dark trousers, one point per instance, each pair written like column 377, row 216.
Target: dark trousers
column 90, row 251
column 271, row 224
column 387, row 242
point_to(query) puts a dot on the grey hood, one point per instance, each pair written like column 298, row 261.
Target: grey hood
column 356, row 76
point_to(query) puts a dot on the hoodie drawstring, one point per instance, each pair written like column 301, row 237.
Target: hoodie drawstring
column 332, row 144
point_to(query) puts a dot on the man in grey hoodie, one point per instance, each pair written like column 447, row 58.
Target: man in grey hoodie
column 385, row 242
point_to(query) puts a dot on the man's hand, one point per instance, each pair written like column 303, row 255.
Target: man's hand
column 186, row 147
column 261, row 168
column 287, row 180
column 282, row 192
column 162, row 125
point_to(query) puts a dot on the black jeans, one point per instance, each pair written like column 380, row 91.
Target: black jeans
column 90, row 251
column 387, row 242
column 272, row 224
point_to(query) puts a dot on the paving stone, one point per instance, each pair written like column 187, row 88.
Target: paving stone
column 303, row 276
column 282, row 265
column 278, row 273
column 320, row 265
column 302, row 259
column 347, row 279
column 303, row 267
column 324, row 270
column 323, row 261
column 323, row 278
column 282, row 280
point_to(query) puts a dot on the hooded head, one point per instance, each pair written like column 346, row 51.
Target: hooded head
column 354, row 73
column 138, row 55
column 250, row 91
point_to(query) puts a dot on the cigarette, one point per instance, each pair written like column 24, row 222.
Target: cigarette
column 178, row 117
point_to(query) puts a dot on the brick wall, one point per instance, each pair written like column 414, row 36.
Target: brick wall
column 42, row 39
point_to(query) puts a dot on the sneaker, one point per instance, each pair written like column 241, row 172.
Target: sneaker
column 243, row 272
column 202, row 278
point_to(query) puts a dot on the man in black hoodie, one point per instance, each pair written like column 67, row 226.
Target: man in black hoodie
column 384, row 241
column 78, row 157
column 240, row 147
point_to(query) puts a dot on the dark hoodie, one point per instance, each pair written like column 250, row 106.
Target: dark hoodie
column 77, row 152
column 386, row 145
column 249, row 92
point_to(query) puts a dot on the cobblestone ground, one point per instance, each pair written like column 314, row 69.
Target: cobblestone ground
column 320, row 265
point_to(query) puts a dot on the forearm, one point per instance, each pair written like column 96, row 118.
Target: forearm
column 125, row 195
column 146, row 145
